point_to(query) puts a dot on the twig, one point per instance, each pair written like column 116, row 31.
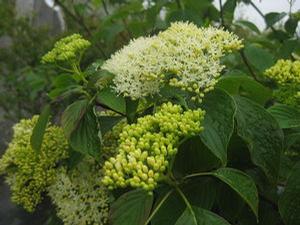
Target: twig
column 105, row 7
column 261, row 14
column 221, row 13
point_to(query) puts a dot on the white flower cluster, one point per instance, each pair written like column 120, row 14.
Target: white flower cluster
column 190, row 54
column 79, row 196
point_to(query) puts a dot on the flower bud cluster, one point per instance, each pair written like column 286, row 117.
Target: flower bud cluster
column 28, row 173
column 67, row 49
column 286, row 74
column 146, row 147
column 191, row 54
column 79, row 196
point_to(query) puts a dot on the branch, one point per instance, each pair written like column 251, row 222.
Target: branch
column 105, row 7
column 261, row 14
column 221, row 13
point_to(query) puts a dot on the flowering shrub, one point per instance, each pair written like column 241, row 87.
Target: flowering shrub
column 168, row 130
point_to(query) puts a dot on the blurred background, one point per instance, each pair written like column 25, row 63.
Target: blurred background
column 29, row 28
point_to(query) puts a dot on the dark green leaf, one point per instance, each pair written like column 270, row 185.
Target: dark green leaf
column 72, row 115
column 108, row 122
column 286, row 116
column 132, row 208
column 228, row 9
column 291, row 25
column 273, row 17
column 109, row 98
column 247, row 24
column 198, row 216
column 185, row 15
column 262, row 134
column 218, row 122
column 200, row 158
column 291, row 139
column 289, row 202
column 63, row 80
column 38, row 132
column 242, row 184
column 246, row 87
column 258, row 57
column 86, row 137
column 201, row 192
column 131, row 108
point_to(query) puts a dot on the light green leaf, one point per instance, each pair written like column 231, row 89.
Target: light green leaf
column 262, row 134
column 38, row 132
column 242, row 184
column 289, row 202
column 218, row 122
column 286, row 116
column 132, row 208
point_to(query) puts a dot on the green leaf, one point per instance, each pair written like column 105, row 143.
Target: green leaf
column 291, row 25
column 218, row 122
column 262, row 134
column 131, row 108
column 185, row 15
column 246, row 87
column 132, row 208
column 110, row 99
column 258, row 57
column 228, row 9
column 274, row 17
column 291, row 139
column 38, row 132
column 72, row 115
column 174, row 205
column 200, row 158
column 286, row 116
column 201, row 192
column 63, row 80
column 198, row 216
column 108, row 122
column 86, row 138
column 242, row 184
column 289, row 202
column 247, row 24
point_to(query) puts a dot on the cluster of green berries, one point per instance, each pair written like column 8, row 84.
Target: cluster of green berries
column 67, row 49
column 146, row 147
column 286, row 74
column 29, row 173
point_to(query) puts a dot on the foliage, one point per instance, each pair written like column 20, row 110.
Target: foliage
column 231, row 157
